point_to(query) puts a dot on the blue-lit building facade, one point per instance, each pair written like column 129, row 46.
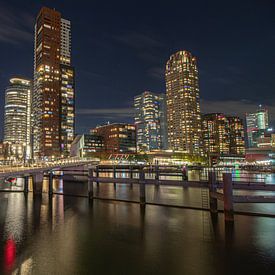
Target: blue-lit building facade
column 256, row 124
column 150, row 121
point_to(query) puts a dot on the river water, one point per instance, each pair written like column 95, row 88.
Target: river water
column 70, row 235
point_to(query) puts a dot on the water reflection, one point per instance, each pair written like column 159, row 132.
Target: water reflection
column 10, row 252
column 68, row 235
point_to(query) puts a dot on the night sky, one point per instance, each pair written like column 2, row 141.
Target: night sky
column 120, row 49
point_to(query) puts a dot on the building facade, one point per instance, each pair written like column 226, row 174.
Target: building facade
column 256, row 125
column 183, row 106
column 222, row 135
column 54, row 90
column 118, row 138
column 17, row 119
column 236, row 135
column 86, row 145
column 150, row 121
column 215, row 133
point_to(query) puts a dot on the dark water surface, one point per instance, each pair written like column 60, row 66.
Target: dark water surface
column 69, row 235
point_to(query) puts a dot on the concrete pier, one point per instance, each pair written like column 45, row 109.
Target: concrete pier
column 37, row 183
column 26, row 184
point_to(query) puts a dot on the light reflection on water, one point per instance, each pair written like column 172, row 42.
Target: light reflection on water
column 71, row 236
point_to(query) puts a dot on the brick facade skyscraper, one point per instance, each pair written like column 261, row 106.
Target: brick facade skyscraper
column 53, row 108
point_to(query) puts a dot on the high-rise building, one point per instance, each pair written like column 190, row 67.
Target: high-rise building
column 150, row 121
column 118, row 138
column 183, row 106
column 54, row 89
column 17, row 118
column 256, row 125
column 236, row 135
column 215, row 132
column 222, row 135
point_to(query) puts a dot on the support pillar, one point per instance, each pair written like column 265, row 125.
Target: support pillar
column 157, row 175
column 50, row 184
column 142, row 186
column 131, row 176
column 213, row 202
column 228, row 197
column 97, row 175
column 90, row 184
column 26, row 184
column 114, row 175
column 37, row 183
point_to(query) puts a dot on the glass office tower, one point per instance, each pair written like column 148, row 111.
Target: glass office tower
column 150, row 121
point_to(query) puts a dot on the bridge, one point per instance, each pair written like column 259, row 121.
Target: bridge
column 39, row 170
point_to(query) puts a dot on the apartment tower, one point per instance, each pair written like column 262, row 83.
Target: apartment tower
column 222, row 135
column 183, row 106
column 17, row 119
column 53, row 108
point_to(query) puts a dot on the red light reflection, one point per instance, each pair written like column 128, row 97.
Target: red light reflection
column 10, row 254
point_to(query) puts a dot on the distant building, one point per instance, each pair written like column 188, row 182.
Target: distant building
column 183, row 103
column 256, row 125
column 86, row 145
column 151, row 121
column 54, row 89
column 118, row 138
column 17, row 119
column 236, row 135
column 264, row 151
column 222, row 135
column 215, row 133
column 3, row 150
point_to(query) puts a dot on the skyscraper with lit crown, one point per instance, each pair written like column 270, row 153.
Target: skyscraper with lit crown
column 183, row 106
column 54, row 91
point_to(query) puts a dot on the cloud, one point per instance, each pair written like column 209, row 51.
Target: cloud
column 156, row 72
column 138, row 41
column 15, row 28
column 234, row 107
column 90, row 74
column 111, row 113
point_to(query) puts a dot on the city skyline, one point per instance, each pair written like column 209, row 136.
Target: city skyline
column 139, row 131
column 130, row 44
